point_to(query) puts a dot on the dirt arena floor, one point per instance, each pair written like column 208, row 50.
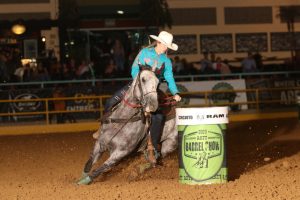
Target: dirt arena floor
column 263, row 162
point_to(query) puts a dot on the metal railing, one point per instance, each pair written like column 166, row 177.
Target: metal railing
column 198, row 77
column 206, row 96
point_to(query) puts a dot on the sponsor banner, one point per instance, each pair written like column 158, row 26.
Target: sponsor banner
column 27, row 106
column 284, row 98
column 83, row 104
column 195, row 116
column 71, row 105
column 287, row 97
column 213, row 98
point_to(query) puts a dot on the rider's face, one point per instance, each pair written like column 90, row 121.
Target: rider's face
column 161, row 48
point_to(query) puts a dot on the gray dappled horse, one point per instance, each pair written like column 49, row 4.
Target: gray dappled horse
column 125, row 131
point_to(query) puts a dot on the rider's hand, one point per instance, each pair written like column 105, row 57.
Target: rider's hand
column 176, row 97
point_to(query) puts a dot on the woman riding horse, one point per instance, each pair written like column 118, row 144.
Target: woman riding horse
column 155, row 57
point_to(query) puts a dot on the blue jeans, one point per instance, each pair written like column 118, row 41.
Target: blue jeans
column 156, row 129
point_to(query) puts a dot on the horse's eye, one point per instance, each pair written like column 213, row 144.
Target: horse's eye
column 143, row 80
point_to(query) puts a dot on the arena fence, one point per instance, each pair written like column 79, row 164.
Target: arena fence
column 257, row 102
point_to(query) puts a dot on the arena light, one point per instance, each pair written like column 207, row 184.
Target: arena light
column 18, row 29
column 120, row 12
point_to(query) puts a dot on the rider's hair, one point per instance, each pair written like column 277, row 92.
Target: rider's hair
column 153, row 44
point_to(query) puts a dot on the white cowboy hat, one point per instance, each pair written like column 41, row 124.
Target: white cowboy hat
column 165, row 38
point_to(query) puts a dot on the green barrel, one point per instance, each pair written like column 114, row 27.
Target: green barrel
column 202, row 147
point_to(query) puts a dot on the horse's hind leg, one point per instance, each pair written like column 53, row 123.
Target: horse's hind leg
column 168, row 146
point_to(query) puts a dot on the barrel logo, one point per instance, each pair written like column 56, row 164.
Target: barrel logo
column 203, row 151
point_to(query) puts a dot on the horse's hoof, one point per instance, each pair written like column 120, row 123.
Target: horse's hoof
column 84, row 175
column 84, row 181
column 143, row 167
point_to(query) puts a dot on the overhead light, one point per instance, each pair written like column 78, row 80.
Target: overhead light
column 120, row 12
column 18, row 29
column 43, row 39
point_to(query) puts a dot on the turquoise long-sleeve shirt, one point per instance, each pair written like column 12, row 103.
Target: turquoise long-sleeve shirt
column 149, row 57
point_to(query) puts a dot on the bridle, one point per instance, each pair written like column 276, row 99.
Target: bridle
column 141, row 102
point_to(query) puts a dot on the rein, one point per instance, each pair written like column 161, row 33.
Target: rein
column 131, row 104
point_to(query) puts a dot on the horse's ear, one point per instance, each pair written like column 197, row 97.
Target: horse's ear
column 140, row 67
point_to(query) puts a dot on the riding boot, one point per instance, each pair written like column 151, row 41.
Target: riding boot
column 156, row 130
column 151, row 152
column 158, row 153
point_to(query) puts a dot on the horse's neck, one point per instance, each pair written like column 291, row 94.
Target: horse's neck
column 133, row 93
column 125, row 110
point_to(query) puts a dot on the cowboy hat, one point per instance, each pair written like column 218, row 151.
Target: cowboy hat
column 165, row 38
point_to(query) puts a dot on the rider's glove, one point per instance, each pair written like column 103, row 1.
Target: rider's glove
column 177, row 97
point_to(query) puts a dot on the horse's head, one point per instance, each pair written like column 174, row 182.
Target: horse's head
column 145, row 90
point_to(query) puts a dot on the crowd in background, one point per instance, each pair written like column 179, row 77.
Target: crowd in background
column 113, row 61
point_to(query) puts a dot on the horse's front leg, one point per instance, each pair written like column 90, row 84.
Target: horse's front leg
column 114, row 158
column 97, row 151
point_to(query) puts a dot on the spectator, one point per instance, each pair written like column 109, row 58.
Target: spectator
column 119, row 55
column 4, row 77
column 221, row 67
column 212, row 57
column 206, row 64
column 186, row 67
column 56, row 72
column 110, row 69
column 27, row 74
column 178, row 66
column 67, row 73
column 19, row 72
column 217, row 65
column 59, row 105
column 248, row 64
column 42, row 74
column 83, row 70
column 258, row 60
